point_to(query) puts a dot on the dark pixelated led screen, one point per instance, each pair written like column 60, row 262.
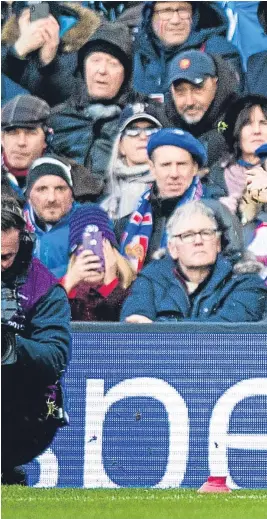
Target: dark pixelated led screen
column 161, row 410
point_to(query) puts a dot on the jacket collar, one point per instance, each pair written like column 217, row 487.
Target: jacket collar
column 221, row 271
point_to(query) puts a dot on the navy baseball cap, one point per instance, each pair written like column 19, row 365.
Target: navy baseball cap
column 193, row 66
column 181, row 139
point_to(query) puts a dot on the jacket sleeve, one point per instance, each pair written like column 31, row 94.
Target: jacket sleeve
column 247, row 302
column 47, row 349
column 141, row 300
column 101, row 149
column 53, row 82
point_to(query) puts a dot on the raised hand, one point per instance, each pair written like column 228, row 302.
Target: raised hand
column 83, row 268
column 42, row 34
column 51, row 35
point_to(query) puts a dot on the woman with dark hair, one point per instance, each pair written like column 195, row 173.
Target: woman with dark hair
column 246, row 131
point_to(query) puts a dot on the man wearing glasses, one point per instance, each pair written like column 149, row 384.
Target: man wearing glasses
column 195, row 281
column 171, row 27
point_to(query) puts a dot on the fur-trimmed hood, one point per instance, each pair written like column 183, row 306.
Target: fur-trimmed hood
column 87, row 23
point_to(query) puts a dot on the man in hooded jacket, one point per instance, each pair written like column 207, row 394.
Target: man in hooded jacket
column 86, row 125
column 171, row 27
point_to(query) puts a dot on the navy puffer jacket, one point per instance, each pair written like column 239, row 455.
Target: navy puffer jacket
column 151, row 58
column 226, row 296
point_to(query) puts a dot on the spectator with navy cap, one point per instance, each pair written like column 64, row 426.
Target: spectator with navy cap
column 175, row 157
column 201, row 87
column 97, row 280
column 171, row 27
column 129, row 175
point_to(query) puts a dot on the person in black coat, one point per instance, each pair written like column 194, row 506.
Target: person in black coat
column 85, row 127
column 35, row 318
column 42, row 56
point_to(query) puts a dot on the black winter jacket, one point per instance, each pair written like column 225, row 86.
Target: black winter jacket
column 55, row 82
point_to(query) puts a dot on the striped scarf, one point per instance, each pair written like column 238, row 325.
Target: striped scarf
column 135, row 239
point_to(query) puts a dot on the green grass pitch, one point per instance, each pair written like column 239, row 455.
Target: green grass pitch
column 32, row 503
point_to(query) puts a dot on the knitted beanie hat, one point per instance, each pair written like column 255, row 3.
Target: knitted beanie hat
column 90, row 214
column 48, row 165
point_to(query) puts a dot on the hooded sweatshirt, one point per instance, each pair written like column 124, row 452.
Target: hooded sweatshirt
column 151, row 58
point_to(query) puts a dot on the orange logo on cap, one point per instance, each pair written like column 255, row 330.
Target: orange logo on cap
column 184, row 64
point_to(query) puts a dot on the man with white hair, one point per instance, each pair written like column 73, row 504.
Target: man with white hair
column 196, row 281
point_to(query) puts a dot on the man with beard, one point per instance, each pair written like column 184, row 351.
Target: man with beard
column 201, row 87
column 35, row 319
column 50, row 205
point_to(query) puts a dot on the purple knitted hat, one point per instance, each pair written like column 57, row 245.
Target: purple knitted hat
column 90, row 214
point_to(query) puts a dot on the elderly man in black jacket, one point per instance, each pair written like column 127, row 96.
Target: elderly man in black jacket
column 86, row 126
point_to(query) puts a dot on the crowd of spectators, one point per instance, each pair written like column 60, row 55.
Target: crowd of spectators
column 142, row 127
column 134, row 184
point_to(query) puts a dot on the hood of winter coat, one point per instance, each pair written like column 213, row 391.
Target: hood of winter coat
column 208, row 20
column 85, row 21
column 227, row 92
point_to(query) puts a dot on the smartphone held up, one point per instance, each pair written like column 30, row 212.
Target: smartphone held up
column 39, row 10
column 93, row 240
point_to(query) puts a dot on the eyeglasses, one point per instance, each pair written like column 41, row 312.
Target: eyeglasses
column 166, row 14
column 205, row 234
column 135, row 132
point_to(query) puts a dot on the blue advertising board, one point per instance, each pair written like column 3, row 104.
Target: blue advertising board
column 161, row 408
